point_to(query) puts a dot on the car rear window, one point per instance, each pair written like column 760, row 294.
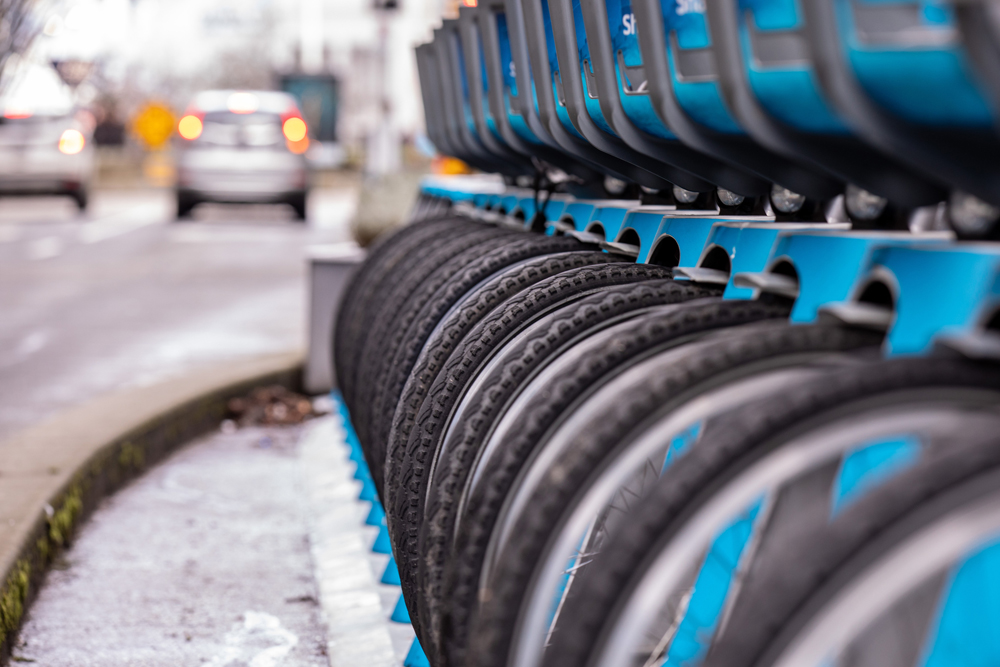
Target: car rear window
column 224, row 128
column 34, row 120
column 35, row 129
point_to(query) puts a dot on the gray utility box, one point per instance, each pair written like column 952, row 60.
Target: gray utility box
column 330, row 267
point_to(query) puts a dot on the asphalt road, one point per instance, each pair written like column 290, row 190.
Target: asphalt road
column 125, row 295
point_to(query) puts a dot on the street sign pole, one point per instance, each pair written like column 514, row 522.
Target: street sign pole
column 383, row 155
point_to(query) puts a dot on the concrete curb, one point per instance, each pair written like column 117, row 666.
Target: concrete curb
column 53, row 475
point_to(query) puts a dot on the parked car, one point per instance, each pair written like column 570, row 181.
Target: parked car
column 46, row 142
column 242, row 146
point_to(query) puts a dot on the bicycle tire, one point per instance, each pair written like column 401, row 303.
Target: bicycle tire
column 425, row 310
column 695, row 477
column 402, row 276
column 405, row 484
column 598, row 361
column 639, row 405
column 426, row 269
column 382, row 257
column 465, row 315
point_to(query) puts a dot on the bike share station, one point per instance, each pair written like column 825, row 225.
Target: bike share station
column 704, row 369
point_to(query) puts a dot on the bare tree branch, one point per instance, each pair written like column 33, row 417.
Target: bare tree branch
column 20, row 23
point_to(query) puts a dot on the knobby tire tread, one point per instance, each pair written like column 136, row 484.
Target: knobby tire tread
column 405, row 482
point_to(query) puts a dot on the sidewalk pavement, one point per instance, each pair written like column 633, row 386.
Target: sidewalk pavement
column 242, row 548
column 53, row 475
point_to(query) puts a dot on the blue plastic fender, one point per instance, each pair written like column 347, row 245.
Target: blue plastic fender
column 553, row 209
column 775, row 84
column 493, row 201
column 893, row 68
column 391, row 574
column 376, row 515
column 940, row 290
column 610, row 215
column 416, row 657
column 686, row 30
column 368, row 490
column 634, row 99
column 749, row 245
column 382, row 544
column 400, row 614
column 509, row 202
column 361, row 471
column 645, row 221
column 690, row 235
column 590, row 99
column 828, row 265
column 579, row 213
column 507, row 68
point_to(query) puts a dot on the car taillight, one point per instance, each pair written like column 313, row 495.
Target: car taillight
column 189, row 127
column 71, row 142
column 294, row 129
column 296, row 134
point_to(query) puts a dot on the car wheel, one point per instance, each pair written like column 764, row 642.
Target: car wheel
column 81, row 197
column 298, row 204
column 185, row 204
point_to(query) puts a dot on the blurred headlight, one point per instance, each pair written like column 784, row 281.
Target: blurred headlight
column 294, row 129
column 189, row 127
column 71, row 142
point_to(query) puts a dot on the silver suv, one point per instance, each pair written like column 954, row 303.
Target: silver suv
column 46, row 144
column 242, row 146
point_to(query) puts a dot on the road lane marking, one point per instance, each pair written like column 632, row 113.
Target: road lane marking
column 32, row 343
column 9, row 233
column 46, row 247
column 233, row 235
column 122, row 222
column 27, row 346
